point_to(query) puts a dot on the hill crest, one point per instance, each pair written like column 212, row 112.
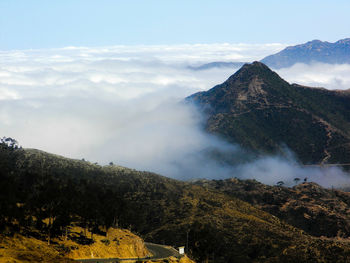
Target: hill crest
column 259, row 110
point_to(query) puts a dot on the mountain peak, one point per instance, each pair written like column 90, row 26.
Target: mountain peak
column 345, row 41
column 309, row 52
column 254, row 66
column 315, row 42
column 260, row 111
column 253, row 84
column 253, row 71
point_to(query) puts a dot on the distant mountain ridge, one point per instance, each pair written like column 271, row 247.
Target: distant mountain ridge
column 261, row 111
column 217, row 64
column 312, row 51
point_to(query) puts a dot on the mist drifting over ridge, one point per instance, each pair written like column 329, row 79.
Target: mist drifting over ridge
column 122, row 104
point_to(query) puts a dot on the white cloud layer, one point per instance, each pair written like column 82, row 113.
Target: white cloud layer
column 318, row 75
column 121, row 104
column 272, row 169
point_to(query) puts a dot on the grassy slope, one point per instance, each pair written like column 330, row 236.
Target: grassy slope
column 164, row 210
column 316, row 210
column 118, row 244
column 28, row 249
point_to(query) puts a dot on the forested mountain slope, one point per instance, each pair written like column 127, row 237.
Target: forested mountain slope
column 260, row 111
column 50, row 193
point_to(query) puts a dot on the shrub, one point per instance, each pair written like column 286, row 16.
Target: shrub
column 106, row 242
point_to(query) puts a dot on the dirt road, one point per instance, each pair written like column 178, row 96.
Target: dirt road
column 158, row 251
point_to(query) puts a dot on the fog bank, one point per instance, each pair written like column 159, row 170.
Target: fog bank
column 122, row 105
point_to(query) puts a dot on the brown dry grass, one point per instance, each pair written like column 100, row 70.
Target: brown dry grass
column 119, row 243
column 27, row 249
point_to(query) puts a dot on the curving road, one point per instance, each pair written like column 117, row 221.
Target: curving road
column 158, row 252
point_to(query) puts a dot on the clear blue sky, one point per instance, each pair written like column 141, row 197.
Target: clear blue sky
column 28, row 24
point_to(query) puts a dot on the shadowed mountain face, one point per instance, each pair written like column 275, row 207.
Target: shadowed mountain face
column 312, row 51
column 260, row 111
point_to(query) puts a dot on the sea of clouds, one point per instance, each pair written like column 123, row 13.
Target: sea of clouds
column 121, row 104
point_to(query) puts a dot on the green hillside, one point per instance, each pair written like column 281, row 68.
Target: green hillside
column 308, row 206
column 260, row 111
column 50, row 194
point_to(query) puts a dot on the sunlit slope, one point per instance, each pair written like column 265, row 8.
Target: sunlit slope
column 117, row 244
column 164, row 211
